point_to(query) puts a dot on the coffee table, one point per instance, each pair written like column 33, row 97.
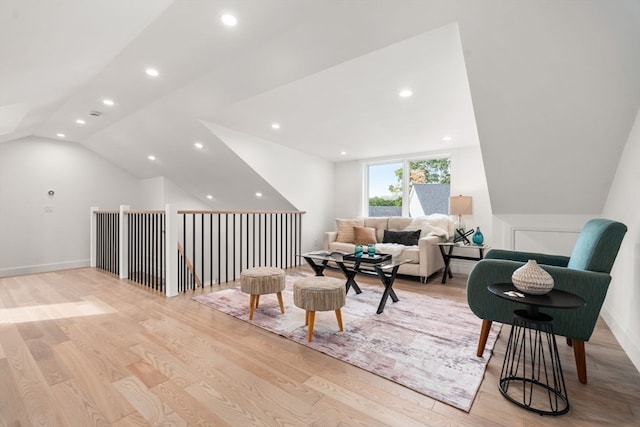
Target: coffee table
column 386, row 271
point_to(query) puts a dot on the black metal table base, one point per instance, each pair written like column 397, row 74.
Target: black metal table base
column 531, row 374
column 387, row 277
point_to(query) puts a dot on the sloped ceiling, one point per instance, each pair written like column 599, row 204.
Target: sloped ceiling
column 548, row 88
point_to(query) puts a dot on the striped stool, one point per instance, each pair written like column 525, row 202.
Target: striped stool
column 319, row 293
column 258, row 281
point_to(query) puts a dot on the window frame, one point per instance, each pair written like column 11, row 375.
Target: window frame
column 406, row 163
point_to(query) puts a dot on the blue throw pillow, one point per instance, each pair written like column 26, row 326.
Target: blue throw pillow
column 407, row 238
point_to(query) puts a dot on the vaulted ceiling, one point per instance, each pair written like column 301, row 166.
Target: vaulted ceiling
column 549, row 89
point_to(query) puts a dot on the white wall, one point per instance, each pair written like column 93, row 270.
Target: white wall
column 42, row 233
column 305, row 181
column 621, row 308
column 152, row 196
column 552, row 234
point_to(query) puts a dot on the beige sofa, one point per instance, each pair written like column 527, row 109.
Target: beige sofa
column 425, row 255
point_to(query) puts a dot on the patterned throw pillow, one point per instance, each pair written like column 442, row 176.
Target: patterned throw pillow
column 407, row 238
column 364, row 235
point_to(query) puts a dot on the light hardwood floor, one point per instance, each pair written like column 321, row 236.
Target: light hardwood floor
column 82, row 348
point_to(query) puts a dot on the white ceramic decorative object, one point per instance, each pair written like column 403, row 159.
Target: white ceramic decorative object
column 532, row 279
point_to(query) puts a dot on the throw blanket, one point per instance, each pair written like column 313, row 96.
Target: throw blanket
column 393, row 249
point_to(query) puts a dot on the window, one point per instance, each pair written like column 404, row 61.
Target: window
column 409, row 187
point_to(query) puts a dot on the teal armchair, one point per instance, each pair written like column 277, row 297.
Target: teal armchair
column 585, row 273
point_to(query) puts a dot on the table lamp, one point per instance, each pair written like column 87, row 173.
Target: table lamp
column 460, row 205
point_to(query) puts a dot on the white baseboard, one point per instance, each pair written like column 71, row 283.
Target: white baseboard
column 629, row 344
column 43, row 268
column 460, row 266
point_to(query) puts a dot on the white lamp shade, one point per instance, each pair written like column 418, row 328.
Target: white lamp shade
column 460, row 205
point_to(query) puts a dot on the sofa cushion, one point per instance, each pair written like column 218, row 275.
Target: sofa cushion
column 379, row 223
column 364, row 235
column 412, row 253
column 407, row 238
column 341, row 247
column 345, row 229
column 399, row 223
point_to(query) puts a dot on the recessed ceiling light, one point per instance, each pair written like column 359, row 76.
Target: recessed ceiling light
column 258, row 194
column 275, row 125
column 209, row 196
column 152, row 72
column 229, row 20
column 60, row 135
column 343, row 153
column 151, row 157
column 199, row 145
column 108, row 102
column 405, row 93
column 446, row 138
column 80, row 122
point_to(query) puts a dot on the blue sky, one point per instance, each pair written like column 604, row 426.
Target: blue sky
column 382, row 177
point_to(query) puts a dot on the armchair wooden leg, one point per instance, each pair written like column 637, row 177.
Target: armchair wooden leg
column 569, row 342
column 581, row 362
column 484, row 334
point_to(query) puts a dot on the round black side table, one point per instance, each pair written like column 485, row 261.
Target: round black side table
column 531, row 374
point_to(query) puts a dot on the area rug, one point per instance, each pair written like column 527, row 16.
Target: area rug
column 425, row 343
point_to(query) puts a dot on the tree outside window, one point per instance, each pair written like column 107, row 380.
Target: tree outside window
column 427, row 187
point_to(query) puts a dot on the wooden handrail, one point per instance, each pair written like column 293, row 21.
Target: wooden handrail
column 240, row 212
column 189, row 265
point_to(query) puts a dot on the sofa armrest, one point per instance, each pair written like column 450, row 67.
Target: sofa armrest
column 329, row 237
column 573, row 323
column 557, row 260
column 430, row 258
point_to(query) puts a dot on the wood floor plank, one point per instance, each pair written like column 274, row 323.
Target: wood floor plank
column 91, row 377
column 361, row 404
column 30, row 384
column 161, row 360
column 51, row 332
column 112, row 360
column 185, row 405
column 207, row 354
column 227, row 406
column 50, row 366
column 380, row 390
column 134, row 420
column 151, row 360
column 146, row 373
column 79, row 409
column 151, row 408
column 12, row 409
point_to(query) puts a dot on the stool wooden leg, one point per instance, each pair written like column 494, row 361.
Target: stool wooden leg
column 339, row 318
column 257, row 300
column 252, row 301
column 280, row 302
column 311, row 317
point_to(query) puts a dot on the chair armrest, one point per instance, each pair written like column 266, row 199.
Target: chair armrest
column 329, row 237
column 557, row 260
column 573, row 323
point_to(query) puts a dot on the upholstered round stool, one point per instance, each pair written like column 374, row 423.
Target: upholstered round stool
column 319, row 293
column 258, row 281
